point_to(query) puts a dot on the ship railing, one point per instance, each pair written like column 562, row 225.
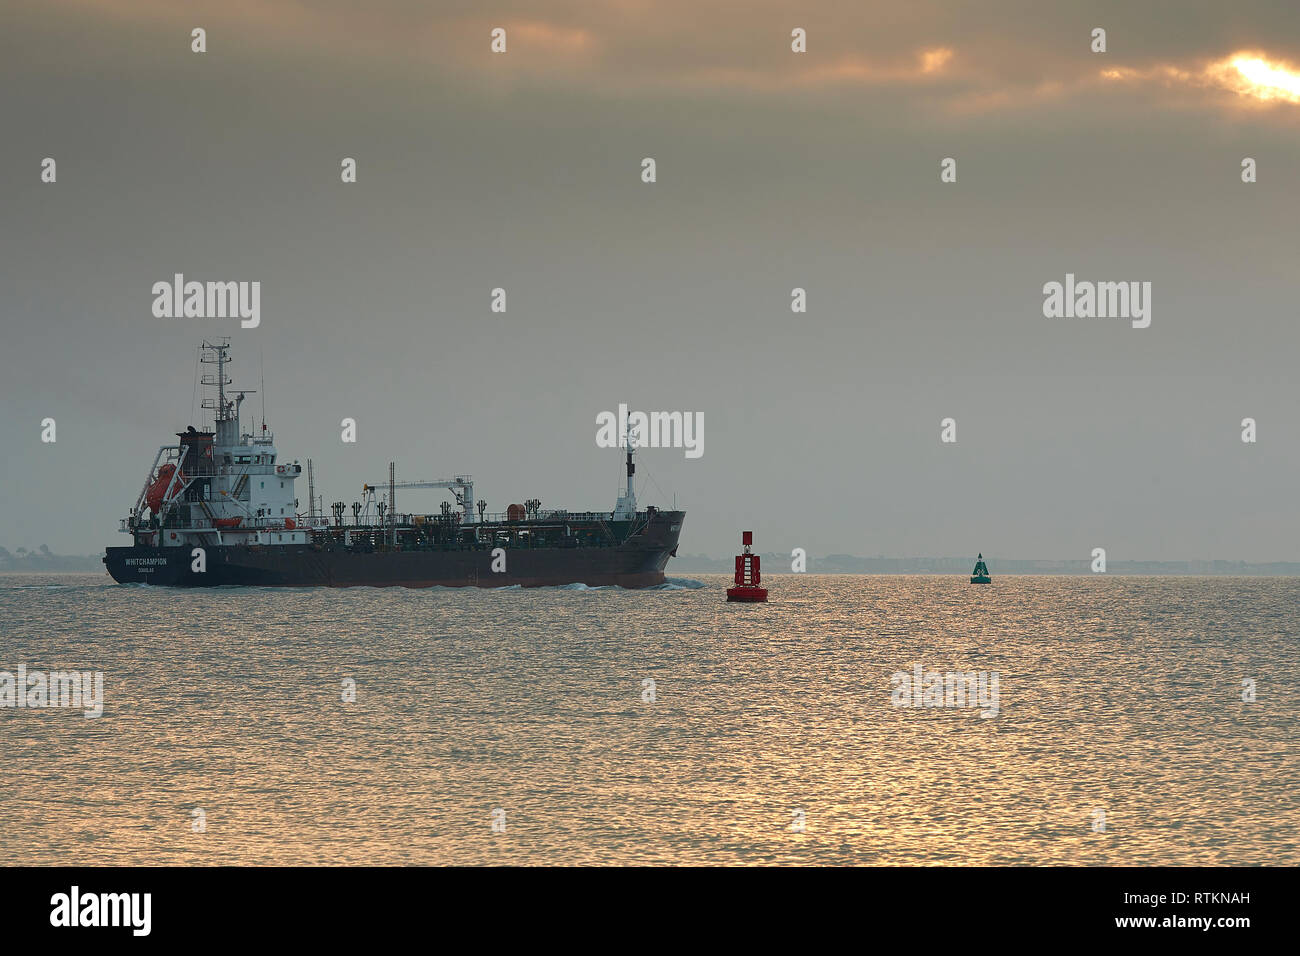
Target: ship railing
column 455, row 518
column 265, row 523
column 404, row 521
column 541, row 517
column 497, row 517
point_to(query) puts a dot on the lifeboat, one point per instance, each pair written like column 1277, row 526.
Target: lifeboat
column 227, row 522
column 154, row 496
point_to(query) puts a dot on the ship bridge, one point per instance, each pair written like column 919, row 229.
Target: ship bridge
column 223, row 486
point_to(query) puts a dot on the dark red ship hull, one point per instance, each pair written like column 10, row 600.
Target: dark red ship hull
column 638, row 562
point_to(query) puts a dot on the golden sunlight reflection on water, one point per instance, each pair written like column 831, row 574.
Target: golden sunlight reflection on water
column 1121, row 694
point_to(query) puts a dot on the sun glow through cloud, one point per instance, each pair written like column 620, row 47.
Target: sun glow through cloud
column 1252, row 74
column 933, row 61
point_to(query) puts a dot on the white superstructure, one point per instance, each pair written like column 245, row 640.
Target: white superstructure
column 225, row 486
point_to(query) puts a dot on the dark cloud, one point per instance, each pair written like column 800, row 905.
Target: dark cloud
column 775, row 171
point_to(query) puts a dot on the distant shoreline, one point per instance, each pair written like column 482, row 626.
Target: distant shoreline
column 686, row 572
column 90, row 572
column 851, row 564
column 38, row 563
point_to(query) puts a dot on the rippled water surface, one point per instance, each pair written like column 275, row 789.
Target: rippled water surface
column 1119, row 694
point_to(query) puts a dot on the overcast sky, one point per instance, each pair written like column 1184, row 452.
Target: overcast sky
column 775, row 170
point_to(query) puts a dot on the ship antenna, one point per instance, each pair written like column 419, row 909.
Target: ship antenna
column 194, row 398
column 221, row 381
column 261, row 371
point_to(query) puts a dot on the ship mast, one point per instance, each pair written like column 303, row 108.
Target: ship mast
column 631, row 470
column 625, row 507
column 225, row 411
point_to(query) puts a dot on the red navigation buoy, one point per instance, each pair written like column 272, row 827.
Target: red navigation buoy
column 747, row 575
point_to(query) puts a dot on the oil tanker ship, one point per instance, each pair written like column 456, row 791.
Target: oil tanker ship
column 219, row 507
